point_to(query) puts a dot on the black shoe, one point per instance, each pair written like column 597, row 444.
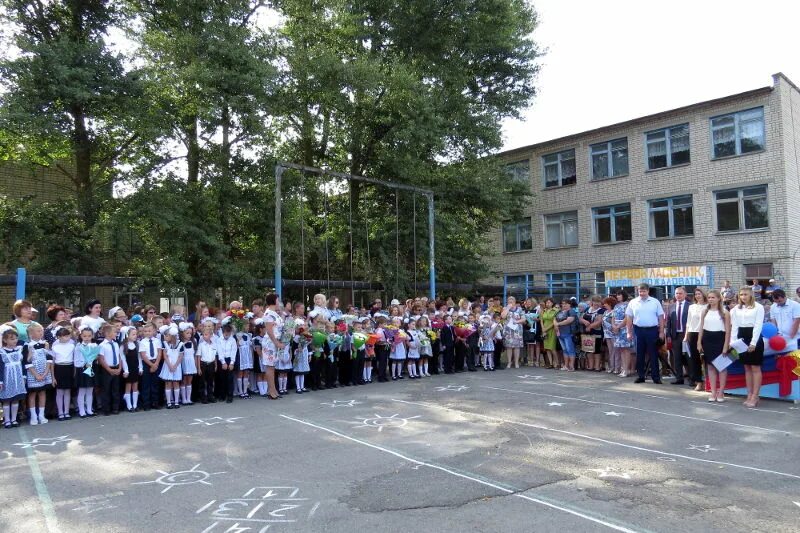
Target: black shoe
column 472, row 370
column 146, row 409
column 169, row 406
column 229, row 400
column 639, row 380
column 15, row 424
column 658, row 381
column 677, row 382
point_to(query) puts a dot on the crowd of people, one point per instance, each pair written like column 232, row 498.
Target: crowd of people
column 141, row 359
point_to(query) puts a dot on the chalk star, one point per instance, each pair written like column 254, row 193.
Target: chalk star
column 43, row 441
column 213, row 421
column 555, row 404
column 341, row 403
column 380, row 422
column 612, row 413
column 705, row 448
column 611, row 472
column 452, row 387
column 92, row 504
column 528, row 376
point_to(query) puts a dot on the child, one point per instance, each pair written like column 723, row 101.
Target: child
column 12, row 386
column 171, row 372
column 319, row 348
column 448, row 339
column 226, row 356
column 86, row 353
column 259, row 364
column 133, row 368
column 413, row 349
column 150, row 353
column 321, row 307
column 301, row 357
column 207, row 362
column 111, row 364
column 345, row 353
column 488, row 329
column 39, row 367
column 358, row 357
column 398, row 351
column 331, row 362
column 244, row 361
column 188, row 361
column 365, row 357
column 382, row 348
column 425, row 344
column 63, row 370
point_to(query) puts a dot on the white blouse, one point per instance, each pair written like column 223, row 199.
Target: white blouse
column 747, row 317
column 63, row 352
column 713, row 322
column 693, row 317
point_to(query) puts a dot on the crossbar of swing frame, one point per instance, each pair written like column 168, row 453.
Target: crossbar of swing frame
column 283, row 166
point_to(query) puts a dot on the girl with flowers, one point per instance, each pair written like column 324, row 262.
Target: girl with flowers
column 426, row 339
column 398, row 350
column 413, row 349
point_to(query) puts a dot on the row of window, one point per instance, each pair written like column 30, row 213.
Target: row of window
column 732, row 134
column 736, row 210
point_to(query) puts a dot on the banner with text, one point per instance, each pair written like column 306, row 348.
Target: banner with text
column 671, row 275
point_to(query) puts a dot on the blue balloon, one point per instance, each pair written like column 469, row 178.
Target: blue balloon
column 769, row 330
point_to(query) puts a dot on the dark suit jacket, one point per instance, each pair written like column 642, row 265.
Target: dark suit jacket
column 448, row 336
column 672, row 321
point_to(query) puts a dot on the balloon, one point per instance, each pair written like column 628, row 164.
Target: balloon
column 769, row 330
column 359, row 339
column 777, row 343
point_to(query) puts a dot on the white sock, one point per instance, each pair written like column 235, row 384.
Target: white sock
column 182, row 398
column 302, row 381
column 411, row 371
column 90, row 400
column 60, row 401
column 236, row 390
column 188, row 394
column 42, row 418
column 425, row 366
column 34, row 418
column 369, row 372
column 245, row 385
column 14, row 411
column 297, row 382
column 81, row 401
column 6, row 412
column 490, row 358
column 364, row 374
column 127, row 398
column 135, row 399
column 168, row 394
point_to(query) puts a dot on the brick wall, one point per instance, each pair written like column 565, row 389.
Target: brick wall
column 18, row 180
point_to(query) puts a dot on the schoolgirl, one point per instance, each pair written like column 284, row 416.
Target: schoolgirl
column 413, row 343
column 133, row 367
column 318, row 349
column 244, row 361
column 86, row 353
column 425, row 345
column 227, row 349
column 488, row 328
column 13, row 380
column 39, row 368
column 398, row 350
column 171, row 372
column 361, row 363
column 189, row 363
column 382, row 347
column 301, row 365
column 63, row 369
column 283, row 358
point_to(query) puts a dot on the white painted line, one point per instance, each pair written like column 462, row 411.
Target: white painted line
column 50, row 520
column 313, row 510
column 600, row 521
column 711, row 420
column 598, row 439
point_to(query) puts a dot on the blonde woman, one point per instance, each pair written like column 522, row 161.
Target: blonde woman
column 714, row 340
column 747, row 319
column 693, row 319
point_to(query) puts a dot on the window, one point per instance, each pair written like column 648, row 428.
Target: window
column 561, row 230
column 559, row 169
column 671, row 217
column 516, row 286
column 517, row 236
column 521, row 170
column 757, row 271
column 609, row 159
column 742, row 209
column 738, row 133
column 600, row 283
column 563, row 284
column 668, row 147
column 612, row 224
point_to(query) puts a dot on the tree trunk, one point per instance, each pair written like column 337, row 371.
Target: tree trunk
column 82, row 154
column 193, row 150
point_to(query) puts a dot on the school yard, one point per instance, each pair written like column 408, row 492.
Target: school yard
column 517, row 450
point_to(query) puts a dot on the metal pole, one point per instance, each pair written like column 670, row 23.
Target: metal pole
column 278, row 280
column 21, row 275
column 432, row 248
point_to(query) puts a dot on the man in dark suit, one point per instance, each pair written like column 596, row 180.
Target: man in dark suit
column 676, row 330
column 448, row 342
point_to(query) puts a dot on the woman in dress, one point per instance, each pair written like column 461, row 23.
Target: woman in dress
column 272, row 345
column 512, row 331
column 614, row 363
column 714, row 340
column 23, row 313
column 747, row 319
column 93, row 310
column 530, row 332
column 621, row 342
column 549, row 332
column 693, row 317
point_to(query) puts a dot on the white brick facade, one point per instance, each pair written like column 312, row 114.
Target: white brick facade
column 777, row 166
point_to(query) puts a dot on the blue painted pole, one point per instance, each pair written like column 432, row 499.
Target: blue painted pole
column 432, row 267
column 21, row 276
column 278, row 259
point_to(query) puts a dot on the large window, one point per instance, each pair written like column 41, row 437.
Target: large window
column 668, row 147
column 742, row 209
column 563, row 284
column 760, row 271
column 671, row 217
column 559, row 169
column 521, row 170
column 600, row 283
column 738, row 133
column 516, row 286
column 612, row 224
column 517, row 236
column 610, row 159
column 561, row 229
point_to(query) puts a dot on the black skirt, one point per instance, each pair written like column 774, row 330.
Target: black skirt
column 132, row 358
column 65, row 376
column 82, row 380
column 756, row 357
column 713, row 343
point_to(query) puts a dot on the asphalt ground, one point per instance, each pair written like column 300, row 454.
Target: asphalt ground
column 516, row 450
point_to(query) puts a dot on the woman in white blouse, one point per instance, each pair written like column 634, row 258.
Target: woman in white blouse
column 714, row 340
column 747, row 319
column 693, row 318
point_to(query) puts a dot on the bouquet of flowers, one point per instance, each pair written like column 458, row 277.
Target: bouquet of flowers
column 400, row 337
column 464, row 329
column 432, row 335
column 531, row 318
column 342, row 327
column 238, row 319
column 390, row 332
column 348, row 319
column 359, row 339
column 437, row 323
column 318, row 338
column 288, row 331
column 425, row 339
column 304, row 335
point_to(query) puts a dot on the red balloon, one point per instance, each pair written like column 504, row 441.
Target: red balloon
column 777, row 343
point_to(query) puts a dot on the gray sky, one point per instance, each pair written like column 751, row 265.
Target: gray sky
column 620, row 59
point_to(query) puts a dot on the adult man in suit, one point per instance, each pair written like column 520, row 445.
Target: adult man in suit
column 676, row 330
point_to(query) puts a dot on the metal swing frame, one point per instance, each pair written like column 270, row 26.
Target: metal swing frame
column 281, row 167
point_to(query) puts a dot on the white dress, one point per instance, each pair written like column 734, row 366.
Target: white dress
column 398, row 350
column 188, row 365
column 413, row 344
column 171, row 354
column 245, row 358
column 269, row 353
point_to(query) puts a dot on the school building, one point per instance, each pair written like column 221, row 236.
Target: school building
column 692, row 196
